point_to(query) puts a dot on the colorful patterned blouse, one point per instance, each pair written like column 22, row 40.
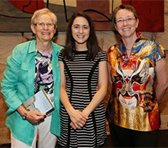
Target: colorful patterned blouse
column 43, row 73
column 133, row 104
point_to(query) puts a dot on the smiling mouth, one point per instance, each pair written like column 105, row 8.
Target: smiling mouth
column 80, row 37
column 45, row 33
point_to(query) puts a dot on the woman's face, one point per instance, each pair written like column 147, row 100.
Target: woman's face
column 43, row 28
column 126, row 23
column 80, row 31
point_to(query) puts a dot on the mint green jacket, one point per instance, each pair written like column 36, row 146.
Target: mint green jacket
column 18, row 85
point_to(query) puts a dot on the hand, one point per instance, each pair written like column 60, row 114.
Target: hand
column 35, row 117
column 78, row 119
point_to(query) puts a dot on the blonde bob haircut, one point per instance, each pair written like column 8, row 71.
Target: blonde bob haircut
column 41, row 12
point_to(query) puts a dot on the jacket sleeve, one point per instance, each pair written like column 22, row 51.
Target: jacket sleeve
column 11, row 79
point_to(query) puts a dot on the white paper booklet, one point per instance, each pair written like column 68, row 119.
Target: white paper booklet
column 40, row 101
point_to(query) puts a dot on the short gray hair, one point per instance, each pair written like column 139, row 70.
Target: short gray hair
column 44, row 11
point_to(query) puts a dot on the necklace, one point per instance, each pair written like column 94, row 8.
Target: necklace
column 44, row 47
column 45, row 51
column 125, row 59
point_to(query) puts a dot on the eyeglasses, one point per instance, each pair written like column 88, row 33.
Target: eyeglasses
column 49, row 25
column 128, row 20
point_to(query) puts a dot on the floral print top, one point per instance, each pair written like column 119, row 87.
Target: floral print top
column 43, row 73
column 133, row 104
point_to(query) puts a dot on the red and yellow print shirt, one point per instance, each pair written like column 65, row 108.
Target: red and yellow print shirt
column 133, row 103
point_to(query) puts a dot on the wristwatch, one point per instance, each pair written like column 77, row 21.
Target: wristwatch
column 24, row 116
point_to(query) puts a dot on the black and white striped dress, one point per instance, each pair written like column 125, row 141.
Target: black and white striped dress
column 81, row 82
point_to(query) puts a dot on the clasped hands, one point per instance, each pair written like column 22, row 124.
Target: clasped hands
column 78, row 119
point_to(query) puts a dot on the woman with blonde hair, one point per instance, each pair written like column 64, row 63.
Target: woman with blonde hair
column 33, row 66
